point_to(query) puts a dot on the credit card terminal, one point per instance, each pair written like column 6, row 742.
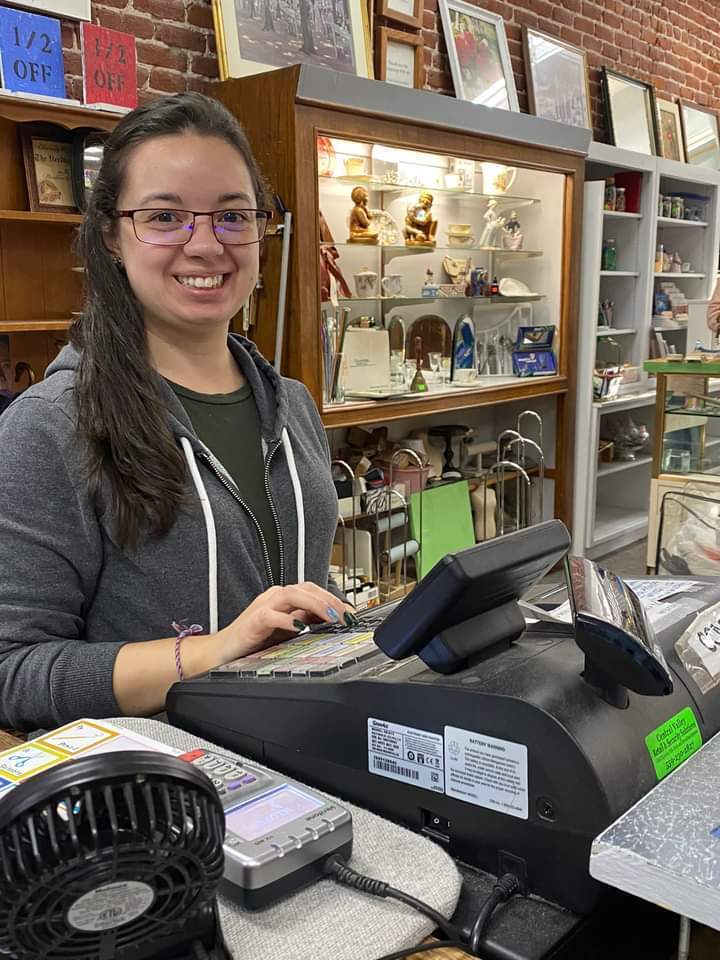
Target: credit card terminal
column 279, row 833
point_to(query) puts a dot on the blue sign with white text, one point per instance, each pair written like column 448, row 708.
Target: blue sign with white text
column 31, row 59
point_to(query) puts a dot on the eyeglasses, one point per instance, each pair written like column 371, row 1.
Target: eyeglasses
column 175, row 227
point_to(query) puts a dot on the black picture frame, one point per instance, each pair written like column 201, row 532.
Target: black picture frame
column 621, row 120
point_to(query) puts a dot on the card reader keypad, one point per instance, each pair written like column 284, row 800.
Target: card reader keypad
column 231, row 780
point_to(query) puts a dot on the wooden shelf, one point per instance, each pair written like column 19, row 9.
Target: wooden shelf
column 69, row 115
column 33, row 326
column 355, row 413
column 33, row 216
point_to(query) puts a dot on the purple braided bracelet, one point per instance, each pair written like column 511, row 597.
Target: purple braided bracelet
column 182, row 632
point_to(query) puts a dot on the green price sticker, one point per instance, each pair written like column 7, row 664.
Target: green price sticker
column 673, row 742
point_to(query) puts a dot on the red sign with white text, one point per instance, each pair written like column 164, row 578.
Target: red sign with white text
column 109, row 66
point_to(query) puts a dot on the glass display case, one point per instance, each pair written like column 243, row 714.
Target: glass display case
column 434, row 242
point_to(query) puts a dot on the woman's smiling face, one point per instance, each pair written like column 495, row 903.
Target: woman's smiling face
column 188, row 289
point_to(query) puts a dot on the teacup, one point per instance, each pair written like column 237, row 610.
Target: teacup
column 456, row 228
column 354, row 166
column 366, row 283
column 497, row 178
column 392, row 284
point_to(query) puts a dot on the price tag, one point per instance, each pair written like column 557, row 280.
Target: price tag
column 31, row 59
column 109, row 66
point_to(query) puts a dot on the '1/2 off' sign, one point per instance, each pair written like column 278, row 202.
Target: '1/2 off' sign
column 31, row 59
column 110, row 66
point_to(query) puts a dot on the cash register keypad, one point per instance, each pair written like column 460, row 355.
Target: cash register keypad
column 229, row 779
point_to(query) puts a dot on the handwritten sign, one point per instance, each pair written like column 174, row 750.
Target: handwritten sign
column 31, row 59
column 109, row 66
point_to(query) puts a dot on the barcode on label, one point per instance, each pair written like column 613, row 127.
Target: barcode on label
column 391, row 767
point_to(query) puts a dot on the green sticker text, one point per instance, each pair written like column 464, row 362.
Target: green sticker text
column 673, row 741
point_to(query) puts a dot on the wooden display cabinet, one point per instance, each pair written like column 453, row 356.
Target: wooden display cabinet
column 39, row 292
column 285, row 111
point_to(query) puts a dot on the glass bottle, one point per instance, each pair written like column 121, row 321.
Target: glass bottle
column 610, row 193
column 419, row 384
column 667, row 206
column 659, row 256
column 620, row 200
column 609, row 255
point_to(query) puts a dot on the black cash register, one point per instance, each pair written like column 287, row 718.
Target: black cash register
column 512, row 744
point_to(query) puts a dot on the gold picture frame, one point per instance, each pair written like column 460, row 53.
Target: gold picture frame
column 671, row 145
column 243, row 26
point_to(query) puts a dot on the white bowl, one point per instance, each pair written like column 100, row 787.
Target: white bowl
column 460, row 240
column 510, row 287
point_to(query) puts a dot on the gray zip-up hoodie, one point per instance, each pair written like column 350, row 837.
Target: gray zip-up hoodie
column 70, row 597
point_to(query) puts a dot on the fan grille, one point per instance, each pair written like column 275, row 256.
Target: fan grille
column 142, row 828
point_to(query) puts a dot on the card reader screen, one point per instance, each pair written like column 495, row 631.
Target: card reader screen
column 273, row 810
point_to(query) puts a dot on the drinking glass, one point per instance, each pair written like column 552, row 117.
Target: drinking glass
column 445, row 368
column 434, row 361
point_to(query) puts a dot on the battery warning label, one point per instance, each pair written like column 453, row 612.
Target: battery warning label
column 406, row 754
column 486, row 771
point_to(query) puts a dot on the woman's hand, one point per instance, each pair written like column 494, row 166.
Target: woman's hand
column 279, row 613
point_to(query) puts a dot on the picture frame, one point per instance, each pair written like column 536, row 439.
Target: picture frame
column 330, row 33
column 700, row 135
column 47, row 158
column 479, row 55
column 399, row 57
column 630, row 112
column 670, row 142
column 67, row 9
column 557, row 78
column 407, row 12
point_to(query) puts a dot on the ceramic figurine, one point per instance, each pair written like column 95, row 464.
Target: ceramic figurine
column 419, row 384
column 362, row 229
column 512, row 237
column 430, row 288
column 457, row 270
column 478, row 282
column 420, row 224
column 494, row 222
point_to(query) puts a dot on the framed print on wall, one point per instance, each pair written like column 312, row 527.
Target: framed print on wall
column 557, row 79
column 399, row 57
column 479, row 55
column 669, row 130
column 630, row 112
column 254, row 36
column 408, row 12
column 700, row 135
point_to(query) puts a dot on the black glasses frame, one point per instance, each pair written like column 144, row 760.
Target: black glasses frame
column 262, row 217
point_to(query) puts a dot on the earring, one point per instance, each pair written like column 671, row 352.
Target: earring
column 117, row 261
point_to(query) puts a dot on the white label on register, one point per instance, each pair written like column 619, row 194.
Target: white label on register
column 404, row 753
column 486, row 771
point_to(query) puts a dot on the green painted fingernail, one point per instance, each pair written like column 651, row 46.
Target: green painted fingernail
column 350, row 619
column 299, row 625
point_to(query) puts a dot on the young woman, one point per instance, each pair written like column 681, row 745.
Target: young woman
column 166, row 503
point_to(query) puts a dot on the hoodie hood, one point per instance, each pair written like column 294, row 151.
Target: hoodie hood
column 269, row 389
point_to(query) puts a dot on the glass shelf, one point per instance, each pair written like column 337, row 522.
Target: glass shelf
column 399, row 250
column 686, row 276
column 414, row 301
column 380, row 186
column 675, row 222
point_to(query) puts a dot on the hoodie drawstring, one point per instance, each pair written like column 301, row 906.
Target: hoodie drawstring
column 299, row 505
column 211, row 533
column 210, row 521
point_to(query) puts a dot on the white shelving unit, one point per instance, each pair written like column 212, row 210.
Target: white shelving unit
column 611, row 499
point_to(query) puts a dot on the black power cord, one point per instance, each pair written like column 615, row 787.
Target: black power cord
column 504, row 887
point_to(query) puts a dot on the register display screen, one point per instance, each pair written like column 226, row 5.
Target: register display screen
column 273, row 810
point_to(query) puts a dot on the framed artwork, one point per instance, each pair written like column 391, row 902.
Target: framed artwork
column 254, row 36
column 669, row 130
column 408, row 12
column 399, row 57
column 630, row 112
column 479, row 55
column 700, row 135
column 67, row 9
column 48, row 168
column 557, row 79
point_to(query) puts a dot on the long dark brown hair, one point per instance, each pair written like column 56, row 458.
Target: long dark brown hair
column 120, row 410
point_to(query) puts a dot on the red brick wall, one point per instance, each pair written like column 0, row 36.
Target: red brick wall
column 675, row 44
column 175, row 44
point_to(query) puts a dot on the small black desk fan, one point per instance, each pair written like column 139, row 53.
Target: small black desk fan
column 112, row 857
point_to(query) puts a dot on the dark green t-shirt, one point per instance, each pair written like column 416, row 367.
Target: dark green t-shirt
column 229, row 425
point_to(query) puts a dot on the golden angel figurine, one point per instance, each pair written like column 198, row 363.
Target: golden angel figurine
column 420, row 224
